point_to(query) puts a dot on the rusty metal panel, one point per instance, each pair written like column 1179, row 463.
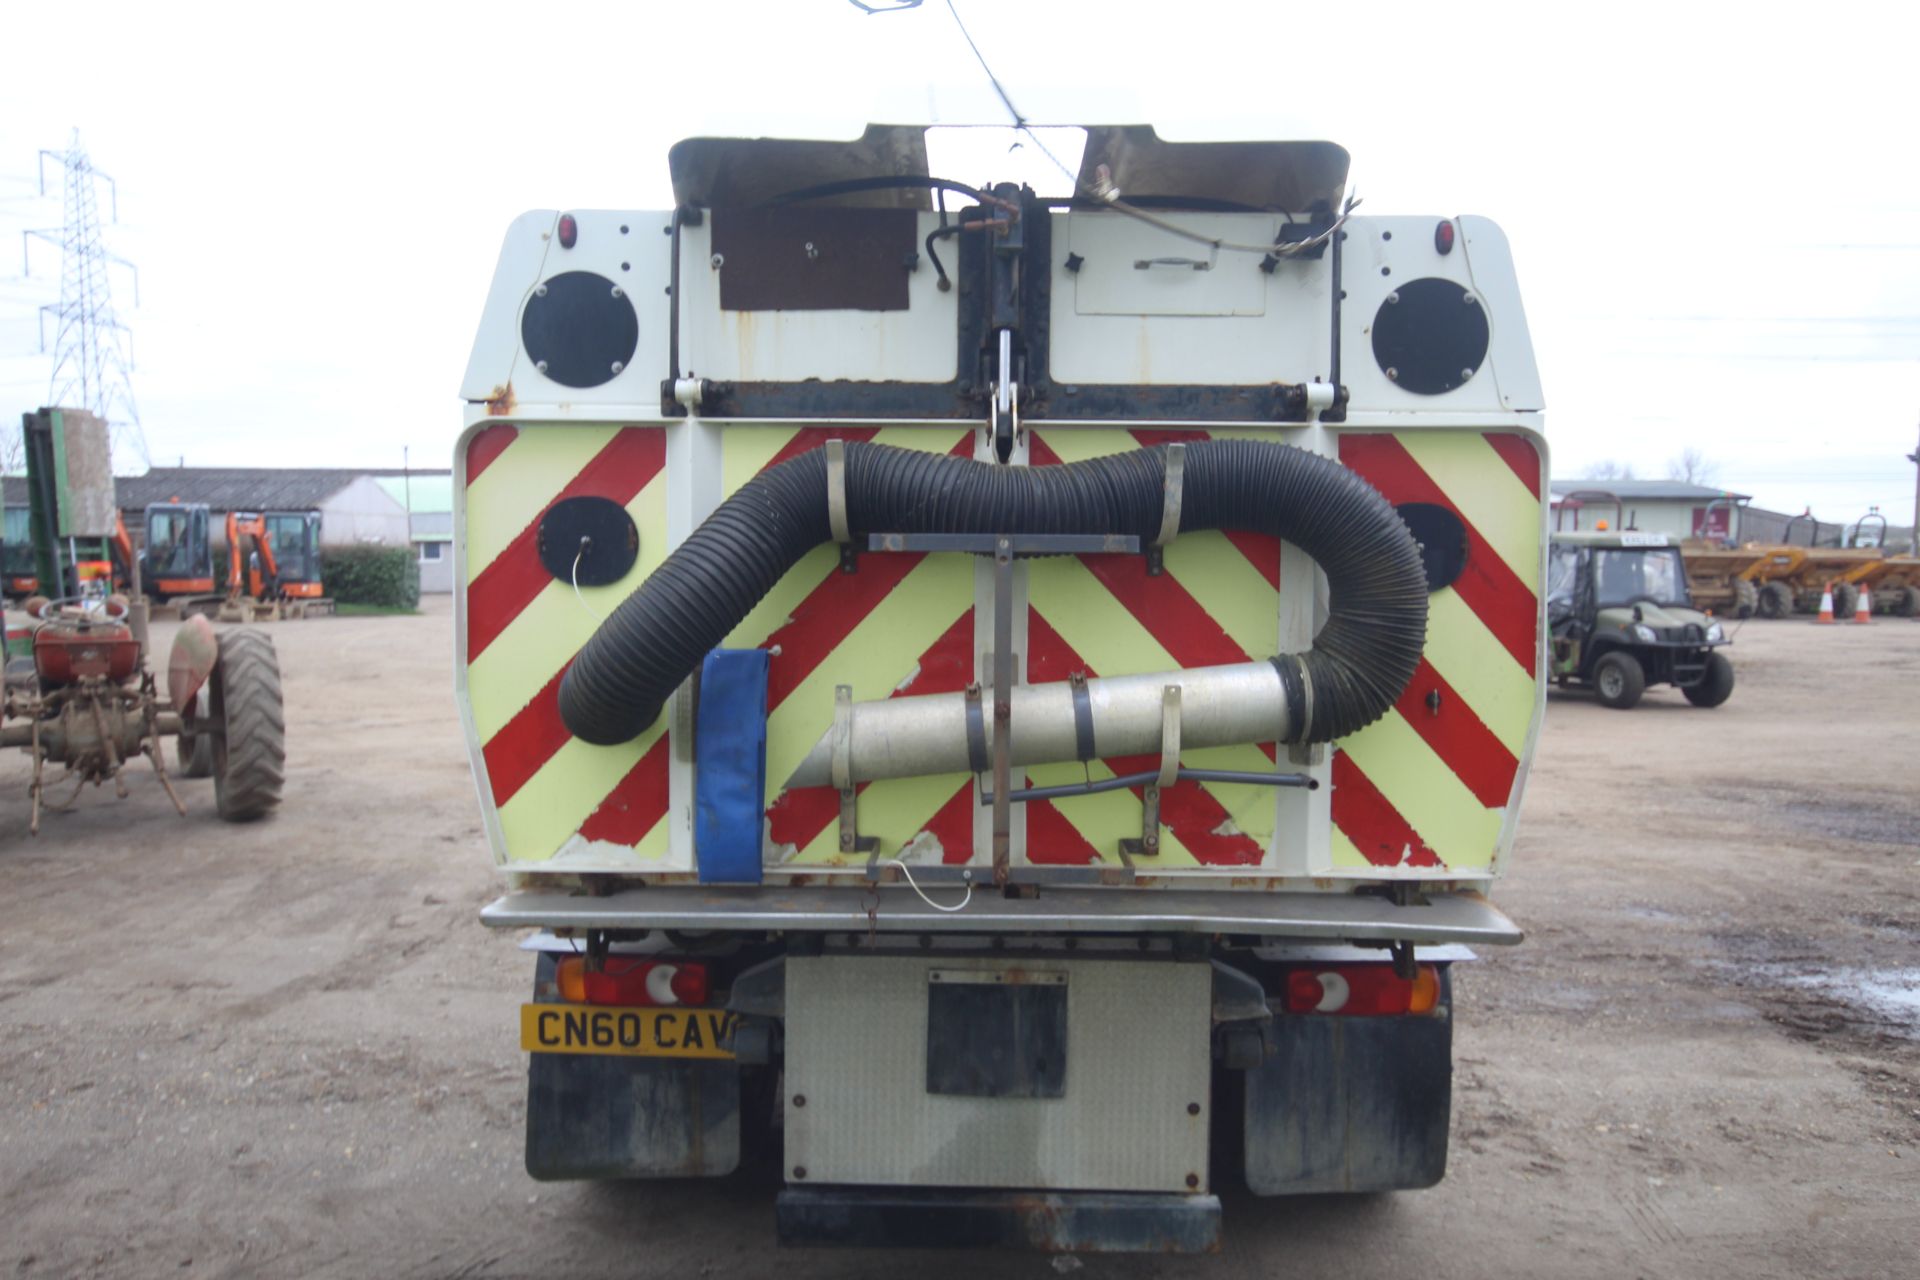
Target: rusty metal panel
column 83, row 463
column 804, row 259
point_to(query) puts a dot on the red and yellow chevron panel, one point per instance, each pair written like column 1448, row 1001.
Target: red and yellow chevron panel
column 902, row 624
column 1432, row 784
column 1216, row 601
column 1428, row 789
column 555, row 797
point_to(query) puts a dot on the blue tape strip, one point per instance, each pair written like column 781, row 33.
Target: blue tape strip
column 730, row 766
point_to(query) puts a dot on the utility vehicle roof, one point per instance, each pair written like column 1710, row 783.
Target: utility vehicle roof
column 1284, row 176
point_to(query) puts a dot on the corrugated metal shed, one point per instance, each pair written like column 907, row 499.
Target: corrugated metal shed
column 239, row 488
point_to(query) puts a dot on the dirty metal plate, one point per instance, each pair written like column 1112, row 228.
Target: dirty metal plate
column 637, row 1033
column 997, row 1034
column 84, row 475
column 807, row 259
column 1132, row 1117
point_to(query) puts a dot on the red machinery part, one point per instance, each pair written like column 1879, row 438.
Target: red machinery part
column 65, row 655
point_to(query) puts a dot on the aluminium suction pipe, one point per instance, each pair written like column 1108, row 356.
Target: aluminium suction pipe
column 1358, row 666
column 911, row 737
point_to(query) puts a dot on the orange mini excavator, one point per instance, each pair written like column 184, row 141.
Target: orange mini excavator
column 280, row 575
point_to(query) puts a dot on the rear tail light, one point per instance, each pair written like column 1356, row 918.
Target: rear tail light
column 569, row 231
column 1362, row 989
column 625, row 981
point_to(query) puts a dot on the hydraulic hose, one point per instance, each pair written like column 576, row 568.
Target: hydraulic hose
column 1358, row 666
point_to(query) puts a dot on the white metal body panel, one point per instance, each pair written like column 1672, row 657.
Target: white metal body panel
column 1379, row 256
column 1232, row 324
column 914, row 345
column 1129, row 268
column 627, row 248
column 1138, row 1056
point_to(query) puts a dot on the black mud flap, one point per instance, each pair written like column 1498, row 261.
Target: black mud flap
column 592, row 1116
column 1351, row 1104
column 1043, row 1221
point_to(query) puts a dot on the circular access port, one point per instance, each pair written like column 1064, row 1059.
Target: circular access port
column 1442, row 536
column 1432, row 334
column 580, row 328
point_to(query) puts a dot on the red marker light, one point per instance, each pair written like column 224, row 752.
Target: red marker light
column 570, row 231
column 1443, row 238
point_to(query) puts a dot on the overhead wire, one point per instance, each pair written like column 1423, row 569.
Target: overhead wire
column 1109, row 196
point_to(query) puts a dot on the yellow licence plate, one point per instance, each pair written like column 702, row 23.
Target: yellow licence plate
column 646, row 1033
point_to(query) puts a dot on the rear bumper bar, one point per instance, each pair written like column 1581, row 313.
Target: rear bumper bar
column 1050, row 1222
column 1441, row 917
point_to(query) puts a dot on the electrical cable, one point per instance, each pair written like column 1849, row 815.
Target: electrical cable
column 908, row 873
column 585, row 542
column 1110, row 197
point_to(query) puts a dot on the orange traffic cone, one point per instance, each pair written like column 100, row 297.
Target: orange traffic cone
column 1826, row 606
column 1863, row 612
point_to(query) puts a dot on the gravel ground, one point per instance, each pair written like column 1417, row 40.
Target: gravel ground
column 290, row 1049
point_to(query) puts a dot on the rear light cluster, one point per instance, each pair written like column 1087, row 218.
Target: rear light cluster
column 629, row 982
column 1365, row 989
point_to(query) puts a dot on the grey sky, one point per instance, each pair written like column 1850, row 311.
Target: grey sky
column 1715, row 209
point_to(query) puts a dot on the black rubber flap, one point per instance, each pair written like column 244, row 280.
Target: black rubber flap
column 596, row 531
column 990, row 1035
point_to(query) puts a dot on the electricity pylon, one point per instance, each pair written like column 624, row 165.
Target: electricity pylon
column 92, row 350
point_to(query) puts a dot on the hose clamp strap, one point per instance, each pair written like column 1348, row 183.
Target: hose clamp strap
column 837, row 491
column 1297, row 695
column 979, row 760
column 1169, row 736
column 842, row 761
column 1170, row 491
column 1082, row 716
column 1306, row 702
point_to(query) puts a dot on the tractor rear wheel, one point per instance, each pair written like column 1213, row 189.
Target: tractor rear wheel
column 1746, row 598
column 1619, row 680
column 1775, row 600
column 1716, row 686
column 249, row 727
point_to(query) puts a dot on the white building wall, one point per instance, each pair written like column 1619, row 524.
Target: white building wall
column 362, row 513
column 1672, row 516
column 436, row 567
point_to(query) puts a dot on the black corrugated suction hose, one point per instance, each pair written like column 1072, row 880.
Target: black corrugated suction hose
column 1359, row 664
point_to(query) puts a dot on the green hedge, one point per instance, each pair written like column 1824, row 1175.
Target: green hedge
column 384, row 576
